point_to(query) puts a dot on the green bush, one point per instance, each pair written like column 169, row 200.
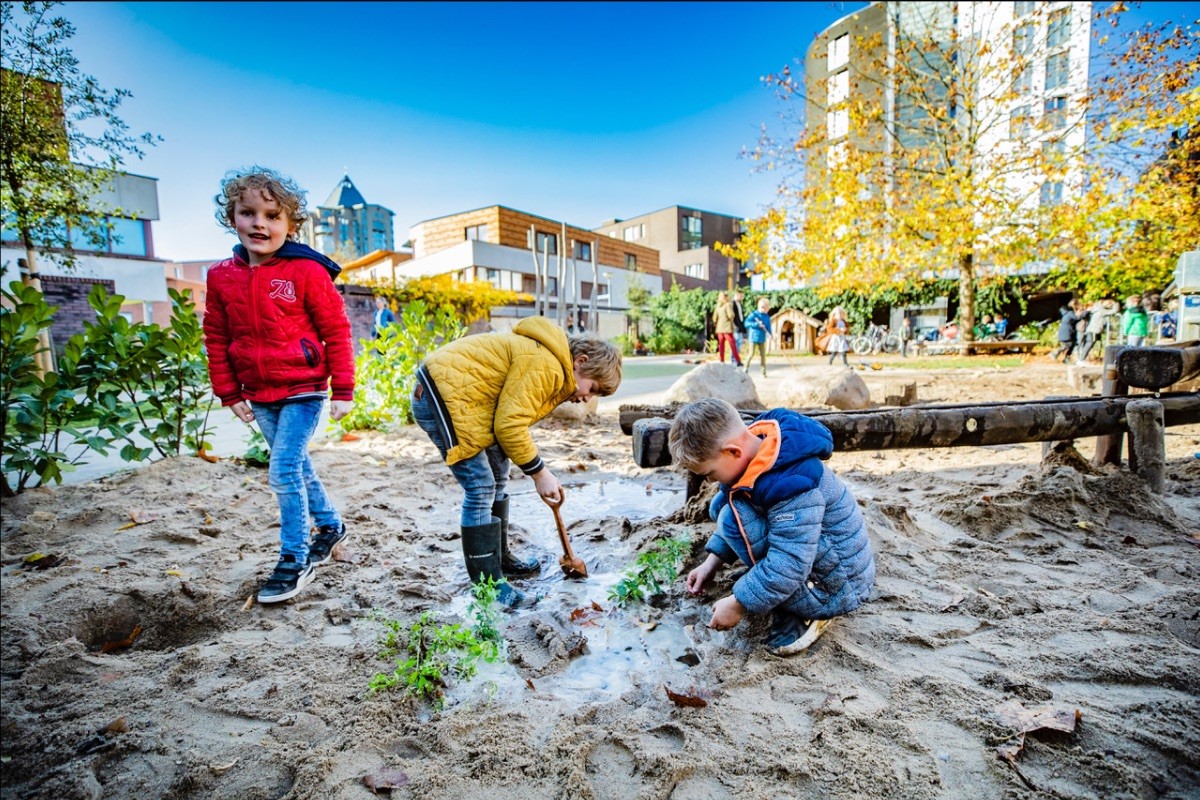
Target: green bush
column 386, row 370
column 41, row 415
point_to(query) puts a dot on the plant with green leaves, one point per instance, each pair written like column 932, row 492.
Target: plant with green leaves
column 653, row 569
column 257, row 453
column 42, row 414
column 386, row 370
column 156, row 378
column 429, row 656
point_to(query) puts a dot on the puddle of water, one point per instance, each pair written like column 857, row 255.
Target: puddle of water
column 596, row 500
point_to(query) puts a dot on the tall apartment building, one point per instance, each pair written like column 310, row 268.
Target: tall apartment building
column 346, row 224
column 684, row 238
column 497, row 244
column 1032, row 80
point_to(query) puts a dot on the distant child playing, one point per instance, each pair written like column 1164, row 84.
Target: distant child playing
column 277, row 334
column 758, row 326
column 476, row 398
column 780, row 511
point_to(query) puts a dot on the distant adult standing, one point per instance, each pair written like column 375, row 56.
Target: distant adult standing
column 383, row 316
column 1135, row 322
column 739, row 321
column 839, row 335
column 723, row 320
column 1066, row 330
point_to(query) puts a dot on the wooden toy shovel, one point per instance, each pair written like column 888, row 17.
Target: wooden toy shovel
column 572, row 566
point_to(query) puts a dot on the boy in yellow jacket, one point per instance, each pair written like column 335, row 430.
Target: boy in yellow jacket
column 476, row 398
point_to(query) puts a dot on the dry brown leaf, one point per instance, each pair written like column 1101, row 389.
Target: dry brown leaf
column 249, row 602
column 118, row 725
column 140, row 517
column 385, row 779
column 207, row 456
column 127, row 526
column 108, row 647
column 222, row 768
column 958, row 598
column 1023, row 720
column 688, row 700
column 350, row 437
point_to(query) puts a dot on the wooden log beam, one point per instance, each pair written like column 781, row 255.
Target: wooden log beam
column 961, row 426
column 1147, row 450
column 1157, row 367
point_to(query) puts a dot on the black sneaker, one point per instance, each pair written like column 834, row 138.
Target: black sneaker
column 328, row 537
column 289, row 577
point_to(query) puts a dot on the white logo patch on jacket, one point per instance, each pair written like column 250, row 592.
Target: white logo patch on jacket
column 283, row 290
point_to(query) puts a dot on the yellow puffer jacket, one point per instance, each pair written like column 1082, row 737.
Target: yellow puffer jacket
column 493, row 386
column 723, row 317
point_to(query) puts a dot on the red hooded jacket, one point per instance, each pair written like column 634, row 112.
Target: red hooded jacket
column 276, row 331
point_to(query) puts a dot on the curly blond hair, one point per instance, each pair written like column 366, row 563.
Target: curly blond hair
column 284, row 191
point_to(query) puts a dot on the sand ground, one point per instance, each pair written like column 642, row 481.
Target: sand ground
column 1001, row 580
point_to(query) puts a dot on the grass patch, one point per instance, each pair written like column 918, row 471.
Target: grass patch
column 958, row 362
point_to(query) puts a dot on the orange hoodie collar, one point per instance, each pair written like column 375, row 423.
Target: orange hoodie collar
column 768, row 452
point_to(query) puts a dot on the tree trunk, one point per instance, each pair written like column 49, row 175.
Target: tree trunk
column 44, row 358
column 966, row 297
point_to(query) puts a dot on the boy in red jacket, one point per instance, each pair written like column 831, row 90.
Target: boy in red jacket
column 277, row 335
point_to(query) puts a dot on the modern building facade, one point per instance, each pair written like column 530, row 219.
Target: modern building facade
column 347, row 226
column 685, row 239
column 509, row 248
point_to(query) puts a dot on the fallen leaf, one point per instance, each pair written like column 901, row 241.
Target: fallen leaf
column 1023, row 720
column 1083, row 523
column 178, row 573
column 648, row 626
column 142, row 517
column 688, row 700
column 249, row 602
column 207, row 456
column 350, row 437
column 1129, row 540
column 118, row 725
column 127, row 526
column 585, row 616
column 223, row 767
column 108, row 647
column 386, row 779
column 207, row 519
column 42, row 561
column 529, row 683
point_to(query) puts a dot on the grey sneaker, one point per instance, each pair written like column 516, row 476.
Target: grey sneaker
column 288, row 579
column 327, row 538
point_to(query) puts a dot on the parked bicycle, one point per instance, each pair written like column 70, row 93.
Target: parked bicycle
column 877, row 339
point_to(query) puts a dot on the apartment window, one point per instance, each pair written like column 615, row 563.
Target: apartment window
column 839, row 52
column 476, row 233
column 1058, row 28
column 378, row 238
column 695, row 271
column 630, row 261
column 1052, row 193
column 837, row 123
column 493, row 277
column 634, row 232
column 1023, row 39
column 1023, row 81
column 547, row 243
column 1053, row 152
column 1023, row 9
column 692, row 233
column 1019, row 123
column 582, row 251
column 838, row 88
column 1056, row 71
column 837, row 154
column 179, row 272
column 1056, row 113
column 586, row 291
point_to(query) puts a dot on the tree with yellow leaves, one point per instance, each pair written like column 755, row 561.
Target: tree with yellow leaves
column 470, row 301
column 950, row 141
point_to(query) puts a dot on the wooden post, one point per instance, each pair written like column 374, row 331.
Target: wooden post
column 537, row 271
column 1108, row 447
column 546, row 277
column 1147, row 450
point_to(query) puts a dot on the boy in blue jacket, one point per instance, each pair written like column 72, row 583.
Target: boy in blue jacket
column 782, row 512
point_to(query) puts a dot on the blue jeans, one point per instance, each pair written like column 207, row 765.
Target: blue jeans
column 483, row 476
column 288, row 427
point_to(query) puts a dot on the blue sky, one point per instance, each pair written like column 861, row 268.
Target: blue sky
column 575, row 111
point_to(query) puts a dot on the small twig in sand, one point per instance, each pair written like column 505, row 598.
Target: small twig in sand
column 249, row 602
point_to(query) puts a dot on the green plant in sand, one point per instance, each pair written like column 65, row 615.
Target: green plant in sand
column 658, row 566
column 429, row 656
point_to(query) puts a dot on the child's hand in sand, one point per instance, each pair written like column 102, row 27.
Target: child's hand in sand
column 339, row 408
column 727, row 612
column 698, row 578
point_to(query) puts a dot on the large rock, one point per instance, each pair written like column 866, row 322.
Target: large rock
column 576, row 412
column 724, row 381
column 843, row 390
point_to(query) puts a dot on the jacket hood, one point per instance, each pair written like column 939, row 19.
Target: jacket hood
column 293, row 249
column 553, row 338
column 789, row 462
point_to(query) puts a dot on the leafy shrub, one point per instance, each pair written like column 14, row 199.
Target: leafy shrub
column 257, row 453
column 386, row 370
column 652, row 569
column 42, row 414
column 428, row 656
column 154, row 379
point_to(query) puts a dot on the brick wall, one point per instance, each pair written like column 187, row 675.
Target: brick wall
column 70, row 295
column 360, row 308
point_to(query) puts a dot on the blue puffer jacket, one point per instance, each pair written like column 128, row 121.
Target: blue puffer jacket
column 795, row 523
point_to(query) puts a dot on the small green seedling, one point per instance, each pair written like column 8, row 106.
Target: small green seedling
column 657, row 566
column 429, row 656
column 257, row 452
